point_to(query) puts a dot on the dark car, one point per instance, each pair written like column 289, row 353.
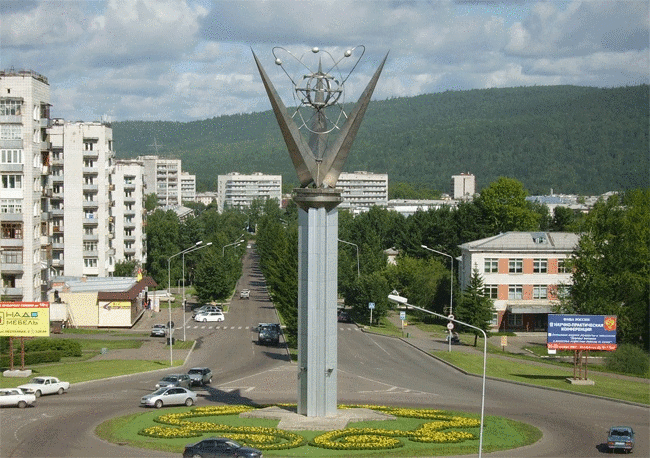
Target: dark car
column 344, row 317
column 200, row 375
column 217, row 447
column 268, row 334
column 182, row 380
column 158, row 330
column 620, row 438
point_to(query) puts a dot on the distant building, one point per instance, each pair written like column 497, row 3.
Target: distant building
column 163, row 178
column 235, row 190
column 408, row 207
column 24, row 189
column 188, row 187
column 206, row 198
column 463, row 186
column 362, row 190
column 523, row 273
column 129, row 213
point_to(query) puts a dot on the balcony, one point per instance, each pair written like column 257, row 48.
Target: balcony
column 56, row 211
column 90, row 238
column 90, row 204
column 46, row 145
column 12, row 144
column 57, row 262
column 90, row 187
column 11, row 267
column 91, row 153
column 19, row 168
column 10, row 293
column 91, row 221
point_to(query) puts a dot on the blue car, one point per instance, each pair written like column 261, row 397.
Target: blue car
column 620, row 438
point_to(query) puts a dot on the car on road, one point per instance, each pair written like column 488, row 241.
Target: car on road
column 15, row 397
column 620, row 438
column 174, row 380
column 158, row 330
column 206, row 308
column 209, row 316
column 344, row 317
column 200, row 375
column 268, row 333
column 245, row 294
column 167, row 396
column 218, row 447
column 39, row 386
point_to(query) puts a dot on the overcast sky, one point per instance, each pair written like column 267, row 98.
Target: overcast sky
column 184, row 60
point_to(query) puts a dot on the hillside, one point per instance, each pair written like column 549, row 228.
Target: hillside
column 578, row 140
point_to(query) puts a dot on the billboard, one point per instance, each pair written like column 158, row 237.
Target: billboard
column 581, row 332
column 25, row 319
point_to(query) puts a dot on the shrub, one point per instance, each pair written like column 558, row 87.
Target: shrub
column 65, row 346
column 36, row 357
column 628, row 359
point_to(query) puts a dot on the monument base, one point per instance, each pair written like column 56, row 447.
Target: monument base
column 17, row 373
column 578, row 381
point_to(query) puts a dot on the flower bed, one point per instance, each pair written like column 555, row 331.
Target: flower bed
column 442, row 427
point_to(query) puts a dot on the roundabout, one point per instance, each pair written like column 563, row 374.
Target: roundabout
column 399, row 432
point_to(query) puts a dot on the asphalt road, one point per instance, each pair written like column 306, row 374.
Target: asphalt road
column 372, row 369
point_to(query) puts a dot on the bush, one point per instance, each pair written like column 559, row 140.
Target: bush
column 37, row 357
column 65, row 346
column 628, row 359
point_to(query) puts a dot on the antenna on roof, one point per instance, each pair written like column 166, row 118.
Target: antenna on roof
column 155, row 145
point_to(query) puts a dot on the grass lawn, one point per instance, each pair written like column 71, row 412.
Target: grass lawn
column 550, row 376
column 499, row 434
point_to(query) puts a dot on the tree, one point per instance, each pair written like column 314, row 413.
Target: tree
column 125, row 269
column 150, row 202
column 474, row 307
column 505, row 208
column 611, row 265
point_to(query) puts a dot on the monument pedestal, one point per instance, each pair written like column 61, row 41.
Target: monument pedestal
column 317, row 295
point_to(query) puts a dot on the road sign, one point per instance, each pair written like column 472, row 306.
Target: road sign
column 402, row 316
column 451, row 317
column 371, row 305
column 450, row 326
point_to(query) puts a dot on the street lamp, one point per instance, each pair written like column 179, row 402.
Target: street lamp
column 240, row 240
column 354, row 245
column 184, row 252
column 169, row 298
column 451, row 290
column 404, row 301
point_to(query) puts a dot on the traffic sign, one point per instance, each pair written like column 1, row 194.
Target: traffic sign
column 402, row 316
column 371, row 305
column 451, row 317
column 450, row 326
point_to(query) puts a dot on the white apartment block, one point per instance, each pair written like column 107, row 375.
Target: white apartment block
column 163, row 178
column 523, row 273
column 24, row 162
column 463, row 186
column 129, row 212
column 235, row 190
column 188, row 187
column 82, row 224
column 362, row 190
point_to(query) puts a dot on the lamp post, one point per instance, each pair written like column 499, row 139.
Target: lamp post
column 354, row 245
column 183, row 257
column 240, row 240
column 404, row 301
column 451, row 290
column 169, row 298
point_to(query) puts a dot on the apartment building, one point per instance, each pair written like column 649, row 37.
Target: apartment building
column 188, row 187
column 163, row 178
column 523, row 272
column 362, row 190
column 235, row 190
column 82, row 222
column 24, row 195
column 463, row 186
column 129, row 214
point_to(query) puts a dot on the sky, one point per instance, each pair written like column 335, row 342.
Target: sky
column 186, row 60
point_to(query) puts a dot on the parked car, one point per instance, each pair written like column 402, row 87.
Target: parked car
column 268, row 334
column 455, row 338
column 167, row 396
column 158, row 330
column 344, row 317
column 174, row 380
column 200, row 375
column 206, row 308
column 15, row 397
column 217, row 447
column 620, row 438
column 245, row 294
column 209, row 316
column 44, row 385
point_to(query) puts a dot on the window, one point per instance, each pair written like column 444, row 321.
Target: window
column 491, row 265
column 11, row 256
column 495, row 319
column 540, row 266
column 491, row 291
column 11, row 132
column 515, row 320
column 10, row 107
column 11, row 206
column 515, row 292
column 515, row 266
column 11, row 156
column 89, row 231
column 88, row 146
column 89, row 163
column 12, row 181
column 90, row 246
column 90, row 214
column 90, row 262
column 562, row 266
column 540, row 292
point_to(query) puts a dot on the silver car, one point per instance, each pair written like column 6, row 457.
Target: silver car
column 182, row 380
column 200, row 375
column 169, row 396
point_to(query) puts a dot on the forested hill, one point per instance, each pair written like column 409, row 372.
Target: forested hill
column 578, row 140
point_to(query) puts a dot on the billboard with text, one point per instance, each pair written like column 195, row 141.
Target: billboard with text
column 581, row 332
column 25, row 319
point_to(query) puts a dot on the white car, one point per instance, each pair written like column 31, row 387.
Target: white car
column 16, row 397
column 209, row 316
column 45, row 385
column 170, row 395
